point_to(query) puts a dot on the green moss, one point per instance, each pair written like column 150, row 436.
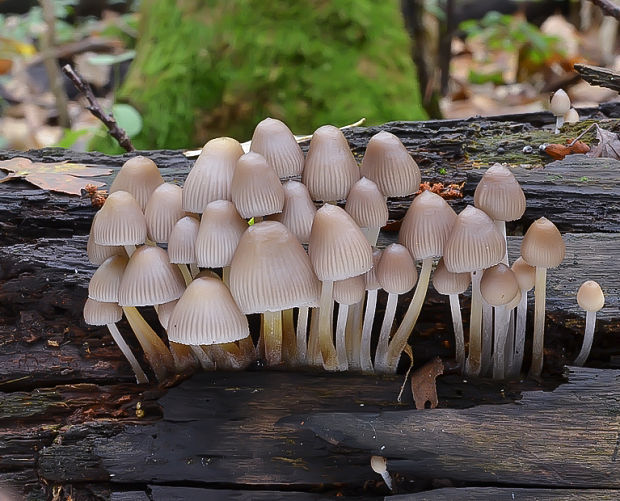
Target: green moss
column 210, row 68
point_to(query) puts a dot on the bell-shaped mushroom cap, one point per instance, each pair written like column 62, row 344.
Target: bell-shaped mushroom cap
column 590, row 296
column 182, row 241
column 298, row 211
column 388, row 163
column 98, row 313
column 105, row 282
column 571, row 116
column 150, row 279
column 396, row 270
column 256, row 189
column 367, row 205
column 499, row 194
column 543, row 246
column 370, row 277
column 97, row 253
column 220, row 230
column 446, row 282
column 350, row 290
column 526, row 274
column 207, row 314
column 163, row 210
column 338, row 249
column 120, row 221
column 427, row 225
column 560, row 103
column 514, row 302
column 498, row 285
column 474, row 243
column 164, row 311
column 330, row 170
column 270, row 271
column 212, row 174
column 138, row 176
column 275, row 141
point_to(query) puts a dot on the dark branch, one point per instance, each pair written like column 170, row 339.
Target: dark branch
column 599, row 76
column 93, row 106
column 608, row 8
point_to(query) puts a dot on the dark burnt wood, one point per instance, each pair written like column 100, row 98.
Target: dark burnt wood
column 596, row 75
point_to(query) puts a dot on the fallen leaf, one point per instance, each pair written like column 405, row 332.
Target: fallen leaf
column 608, row 146
column 63, row 177
column 423, row 384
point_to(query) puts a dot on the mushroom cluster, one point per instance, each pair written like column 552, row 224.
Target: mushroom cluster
column 242, row 238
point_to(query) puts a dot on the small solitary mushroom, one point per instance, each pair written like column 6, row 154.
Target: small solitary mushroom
column 379, row 466
column 560, row 105
column 591, row 298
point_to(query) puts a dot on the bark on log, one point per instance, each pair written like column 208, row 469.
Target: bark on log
column 595, row 75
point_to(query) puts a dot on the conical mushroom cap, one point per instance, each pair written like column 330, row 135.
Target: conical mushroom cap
column 220, row 230
column 498, row 285
column 256, row 189
column 370, row 277
column 138, row 176
column 164, row 311
column 350, row 290
column 396, row 271
column 367, row 205
column 207, row 314
column 150, row 279
column 120, row 221
column 98, row 313
column 526, row 274
column 298, row 211
column 270, row 271
column 276, row 143
column 163, row 210
column 446, row 282
column 330, row 169
column 338, row 249
column 106, row 280
column 590, row 296
column 182, row 241
column 427, row 225
column 560, row 103
column 474, row 243
column 499, row 195
column 388, row 163
column 543, row 246
column 97, row 254
column 212, row 174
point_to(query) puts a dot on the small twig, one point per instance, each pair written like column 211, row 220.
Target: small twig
column 608, row 8
column 572, row 143
column 93, row 106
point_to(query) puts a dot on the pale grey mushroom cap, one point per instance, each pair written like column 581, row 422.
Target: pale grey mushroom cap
column 220, row 230
column 427, row 225
column 150, row 279
column 474, row 243
column 164, row 311
column 277, row 144
column 207, row 314
column 105, row 282
column 560, row 103
column 163, row 210
column 446, row 282
column 298, row 211
column 338, row 249
column 330, row 169
column 543, row 246
column 396, row 271
column 120, row 221
column 388, row 163
column 367, row 205
column 270, row 271
column 138, row 176
column 350, row 290
column 590, row 296
column 211, row 176
column 256, row 189
column 99, row 313
column 499, row 194
column 182, row 241
column 97, row 254
column 499, row 285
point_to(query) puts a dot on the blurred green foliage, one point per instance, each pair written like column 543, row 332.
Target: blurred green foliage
column 211, row 68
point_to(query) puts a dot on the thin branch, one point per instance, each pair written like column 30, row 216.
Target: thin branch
column 602, row 77
column 608, row 8
column 93, row 106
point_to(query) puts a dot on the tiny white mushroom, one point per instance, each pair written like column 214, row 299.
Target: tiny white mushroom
column 379, row 465
column 591, row 298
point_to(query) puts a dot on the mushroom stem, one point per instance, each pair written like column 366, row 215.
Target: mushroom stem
column 288, row 336
column 313, row 356
column 510, row 341
column 226, row 275
column 186, row 273
column 457, row 324
column 354, row 334
column 341, row 347
column 302, row 329
column 130, row 249
column 540, row 291
column 487, row 337
column 502, row 315
column 588, row 337
column 194, row 270
column 326, row 310
column 184, row 360
column 156, row 352
column 371, row 234
column 472, row 364
column 247, row 349
column 203, row 357
column 384, row 335
column 272, row 336
column 501, row 227
column 519, row 346
column 400, row 337
column 120, row 342
column 369, row 316
column 559, row 121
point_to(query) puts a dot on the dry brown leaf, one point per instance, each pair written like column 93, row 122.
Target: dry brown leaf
column 63, row 177
column 608, row 146
column 423, row 383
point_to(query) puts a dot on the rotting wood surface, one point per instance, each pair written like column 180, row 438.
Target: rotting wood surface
column 44, row 342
